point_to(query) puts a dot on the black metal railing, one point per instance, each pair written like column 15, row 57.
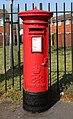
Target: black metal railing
column 55, row 52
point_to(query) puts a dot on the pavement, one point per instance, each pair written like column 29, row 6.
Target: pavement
column 60, row 110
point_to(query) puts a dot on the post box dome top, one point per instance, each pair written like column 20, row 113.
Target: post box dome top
column 35, row 12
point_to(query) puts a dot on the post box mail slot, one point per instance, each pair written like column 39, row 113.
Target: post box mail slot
column 36, row 30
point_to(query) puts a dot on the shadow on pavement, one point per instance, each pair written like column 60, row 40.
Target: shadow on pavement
column 54, row 94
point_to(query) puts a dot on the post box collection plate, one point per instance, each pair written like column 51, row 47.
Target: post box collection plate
column 36, row 44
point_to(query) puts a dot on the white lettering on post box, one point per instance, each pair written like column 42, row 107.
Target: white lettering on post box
column 37, row 44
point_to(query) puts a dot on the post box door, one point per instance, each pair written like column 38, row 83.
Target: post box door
column 39, row 65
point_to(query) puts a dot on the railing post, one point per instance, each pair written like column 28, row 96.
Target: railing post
column 11, row 43
column 41, row 7
column 58, row 88
column 72, row 34
column 4, row 48
column 33, row 6
column 49, row 46
column 64, row 45
column 18, row 46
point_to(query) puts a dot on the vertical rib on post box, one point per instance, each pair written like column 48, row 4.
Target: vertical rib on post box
column 35, row 67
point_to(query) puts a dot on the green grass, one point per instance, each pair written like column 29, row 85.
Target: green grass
column 66, row 83
column 14, row 94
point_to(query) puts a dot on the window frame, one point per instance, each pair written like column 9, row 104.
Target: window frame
column 1, row 21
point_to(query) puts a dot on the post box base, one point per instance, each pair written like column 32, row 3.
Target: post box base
column 35, row 102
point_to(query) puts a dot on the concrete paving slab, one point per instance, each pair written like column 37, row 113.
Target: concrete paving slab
column 60, row 110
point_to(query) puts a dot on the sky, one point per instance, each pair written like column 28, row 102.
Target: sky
column 36, row 2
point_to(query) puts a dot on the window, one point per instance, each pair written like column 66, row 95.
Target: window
column 67, row 22
column 59, row 32
column 68, row 32
column 51, row 24
column 1, row 22
column 55, row 24
column 59, row 23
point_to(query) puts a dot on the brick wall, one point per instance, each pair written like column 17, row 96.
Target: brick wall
column 7, row 32
column 61, row 40
column 1, row 39
column 61, row 28
column 61, row 33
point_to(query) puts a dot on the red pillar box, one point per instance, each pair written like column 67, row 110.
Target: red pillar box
column 35, row 72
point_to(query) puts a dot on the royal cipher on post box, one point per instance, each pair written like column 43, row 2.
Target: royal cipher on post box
column 35, row 52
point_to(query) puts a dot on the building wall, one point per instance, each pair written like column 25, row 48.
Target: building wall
column 61, row 33
column 61, row 40
column 7, row 32
column 1, row 39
